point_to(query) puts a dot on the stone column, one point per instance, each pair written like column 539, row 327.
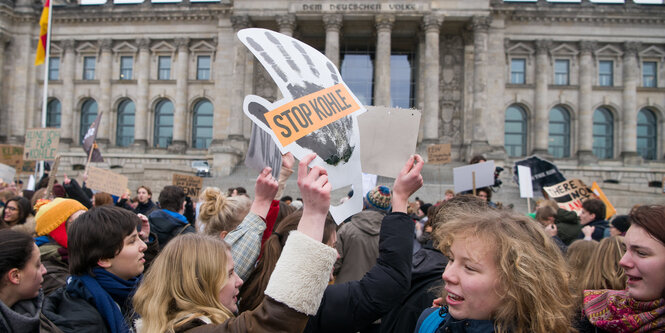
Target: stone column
column 68, row 72
column 585, row 154
column 142, row 100
column 480, row 26
column 541, row 114
column 333, row 25
column 431, row 25
column 105, row 68
column 179, row 143
column 237, row 97
column 287, row 24
column 629, row 122
column 4, row 39
column 384, row 26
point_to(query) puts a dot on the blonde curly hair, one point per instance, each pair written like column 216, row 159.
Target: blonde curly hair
column 532, row 272
column 220, row 213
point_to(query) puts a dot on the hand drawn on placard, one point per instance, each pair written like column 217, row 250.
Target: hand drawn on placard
column 317, row 113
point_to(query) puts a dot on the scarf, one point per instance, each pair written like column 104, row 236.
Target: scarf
column 23, row 316
column 111, row 296
column 615, row 311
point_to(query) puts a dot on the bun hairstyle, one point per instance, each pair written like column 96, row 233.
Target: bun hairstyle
column 221, row 213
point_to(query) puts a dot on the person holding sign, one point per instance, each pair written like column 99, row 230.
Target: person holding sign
column 192, row 285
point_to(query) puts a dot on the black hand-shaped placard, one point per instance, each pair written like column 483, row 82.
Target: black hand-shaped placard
column 323, row 117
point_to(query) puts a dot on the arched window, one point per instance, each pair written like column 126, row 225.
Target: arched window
column 559, row 140
column 53, row 113
column 163, row 124
column 603, row 133
column 88, row 115
column 124, row 135
column 202, row 122
column 515, row 133
column 647, row 135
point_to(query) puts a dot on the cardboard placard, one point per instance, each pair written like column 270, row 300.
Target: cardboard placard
column 388, row 137
column 190, row 184
column 106, row 181
column 11, row 155
column 609, row 208
column 569, row 194
column 438, row 154
column 463, row 176
column 526, row 188
column 41, row 144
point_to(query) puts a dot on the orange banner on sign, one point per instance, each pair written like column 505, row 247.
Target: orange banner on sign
column 609, row 209
column 306, row 114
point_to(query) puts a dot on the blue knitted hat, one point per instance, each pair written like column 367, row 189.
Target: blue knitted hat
column 379, row 198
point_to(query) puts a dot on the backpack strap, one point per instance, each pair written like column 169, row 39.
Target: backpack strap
column 181, row 230
column 432, row 322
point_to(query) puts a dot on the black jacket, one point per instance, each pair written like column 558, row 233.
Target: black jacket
column 599, row 229
column 166, row 226
column 349, row 306
column 428, row 266
column 146, row 208
column 78, row 193
column 72, row 313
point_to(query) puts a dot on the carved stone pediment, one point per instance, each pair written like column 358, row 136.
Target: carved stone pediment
column 564, row 50
column 163, row 47
column 87, row 47
column 520, row 49
column 202, row 46
column 608, row 51
column 653, row 51
column 125, row 47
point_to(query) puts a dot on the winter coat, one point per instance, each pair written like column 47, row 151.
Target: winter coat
column 146, row 208
column 69, row 312
column 166, row 226
column 453, row 325
column 28, row 227
column 349, row 306
column 55, row 260
column 600, row 226
column 23, row 317
column 78, row 193
column 428, row 265
column 358, row 245
column 568, row 225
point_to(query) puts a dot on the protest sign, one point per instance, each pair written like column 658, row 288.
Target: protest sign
column 7, row 173
column 106, row 181
column 11, row 155
column 609, row 208
column 482, row 173
column 51, row 180
column 41, row 144
column 263, row 152
column 569, row 194
column 317, row 113
column 526, row 188
column 438, row 154
column 369, row 182
column 388, row 137
column 190, row 184
column 543, row 172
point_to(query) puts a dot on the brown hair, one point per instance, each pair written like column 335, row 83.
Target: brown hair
column 103, row 198
column 603, row 270
column 651, row 218
column 544, row 213
column 578, row 255
column 251, row 293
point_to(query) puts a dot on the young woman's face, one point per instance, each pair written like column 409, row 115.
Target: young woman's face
column 644, row 264
column 129, row 263
column 11, row 212
column 471, row 280
column 228, row 296
column 31, row 276
column 143, row 195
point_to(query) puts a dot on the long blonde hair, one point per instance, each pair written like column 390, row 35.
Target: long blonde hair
column 221, row 213
column 183, row 283
column 603, row 271
column 578, row 256
column 532, row 272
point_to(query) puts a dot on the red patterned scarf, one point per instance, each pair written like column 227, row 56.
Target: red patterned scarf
column 615, row 311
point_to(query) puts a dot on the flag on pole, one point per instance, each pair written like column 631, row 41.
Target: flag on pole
column 89, row 140
column 43, row 34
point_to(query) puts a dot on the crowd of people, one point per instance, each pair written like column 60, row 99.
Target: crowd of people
column 76, row 261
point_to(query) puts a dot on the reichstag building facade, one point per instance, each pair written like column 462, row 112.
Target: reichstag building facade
column 579, row 82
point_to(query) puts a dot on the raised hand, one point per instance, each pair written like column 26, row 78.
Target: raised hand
column 315, row 192
column 407, row 183
column 264, row 191
column 144, row 234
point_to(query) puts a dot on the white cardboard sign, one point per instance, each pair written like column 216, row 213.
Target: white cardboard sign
column 316, row 114
column 526, row 187
column 463, row 176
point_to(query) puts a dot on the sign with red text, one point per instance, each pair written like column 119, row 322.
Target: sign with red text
column 570, row 194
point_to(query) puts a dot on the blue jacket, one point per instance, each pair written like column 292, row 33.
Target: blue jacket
column 453, row 325
column 166, row 225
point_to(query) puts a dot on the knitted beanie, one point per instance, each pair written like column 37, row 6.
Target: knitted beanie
column 53, row 214
column 379, row 198
column 621, row 222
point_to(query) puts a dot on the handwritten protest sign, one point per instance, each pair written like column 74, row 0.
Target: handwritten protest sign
column 388, row 136
column 11, row 155
column 438, row 154
column 569, row 194
column 106, row 181
column 190, row 184
column 609, row 208
column 41, row 144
